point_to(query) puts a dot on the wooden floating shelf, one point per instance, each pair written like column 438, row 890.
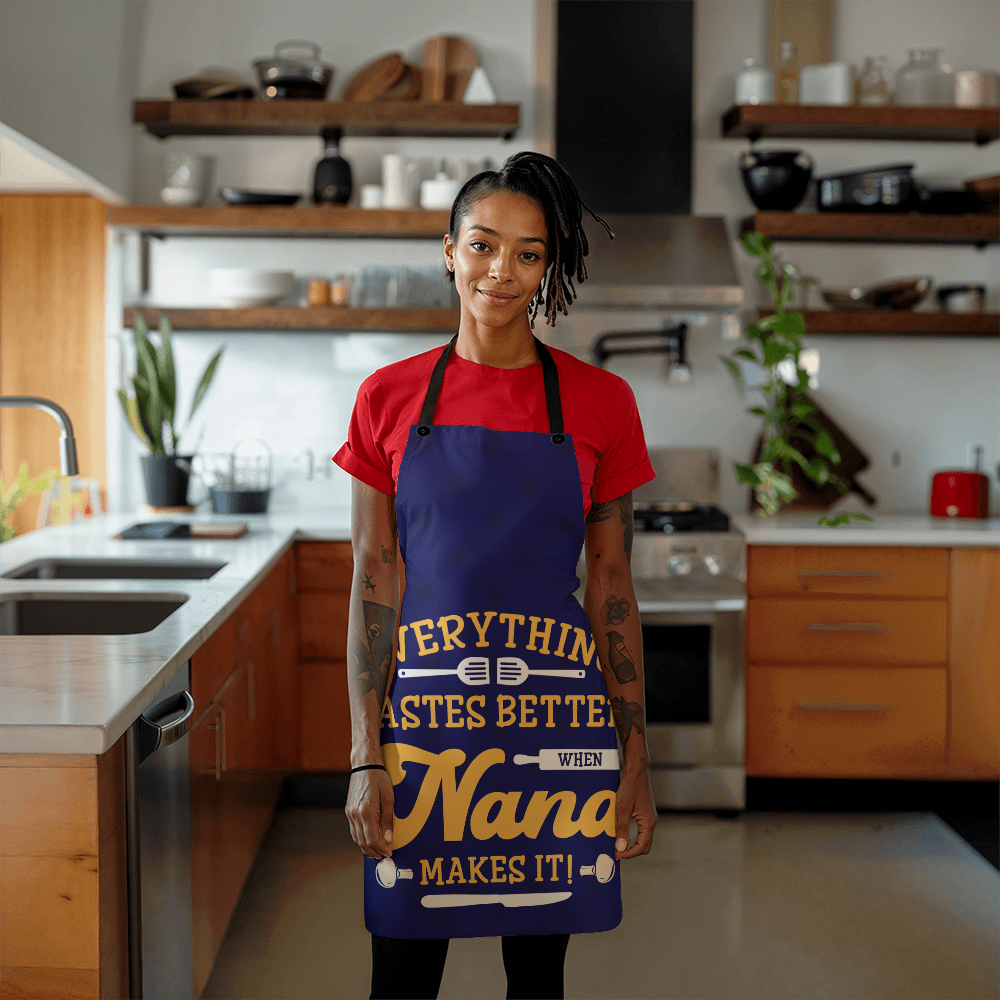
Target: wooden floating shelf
column 897, row 322
column 299, row 318
column 853, row 121
column 881, row 227
column 269, row 220
column 164, row 118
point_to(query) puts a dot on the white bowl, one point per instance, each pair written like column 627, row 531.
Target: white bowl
column 250, row 286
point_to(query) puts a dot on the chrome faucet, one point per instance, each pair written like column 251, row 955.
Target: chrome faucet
column 67, row 443
column 311, row 456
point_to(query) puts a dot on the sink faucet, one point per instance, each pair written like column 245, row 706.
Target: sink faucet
column 67, row 443
column 311, row 456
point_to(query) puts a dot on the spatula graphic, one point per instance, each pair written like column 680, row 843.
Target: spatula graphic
column 511, row 670
column 472, row 670
column 439, row 899
column 572, row 760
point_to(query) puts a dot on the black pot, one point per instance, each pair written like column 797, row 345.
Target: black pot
column 776, row 179
column 166, row 478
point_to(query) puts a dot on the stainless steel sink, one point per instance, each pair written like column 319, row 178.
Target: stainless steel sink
column 83, row 614
column 114, row 569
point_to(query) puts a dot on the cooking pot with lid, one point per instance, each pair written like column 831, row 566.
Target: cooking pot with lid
column 294, row 72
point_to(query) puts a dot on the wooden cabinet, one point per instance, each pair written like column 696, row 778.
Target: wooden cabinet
column 873, row 662
column 323, row 573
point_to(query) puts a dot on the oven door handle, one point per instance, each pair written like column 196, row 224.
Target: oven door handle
column 846, row 627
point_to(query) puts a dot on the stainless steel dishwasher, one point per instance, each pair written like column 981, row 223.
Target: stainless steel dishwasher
column 158, row 845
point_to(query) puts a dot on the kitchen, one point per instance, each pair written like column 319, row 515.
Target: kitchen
column 915, row 405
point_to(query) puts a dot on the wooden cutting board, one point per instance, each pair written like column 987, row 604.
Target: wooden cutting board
column 372, row 80
column 448, row 65
column 406, row 88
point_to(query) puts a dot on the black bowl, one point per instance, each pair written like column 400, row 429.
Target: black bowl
column 776, row 179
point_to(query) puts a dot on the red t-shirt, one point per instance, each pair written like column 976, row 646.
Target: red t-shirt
column 599, row 410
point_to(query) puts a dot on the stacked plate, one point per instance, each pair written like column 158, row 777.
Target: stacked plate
column 241, row 287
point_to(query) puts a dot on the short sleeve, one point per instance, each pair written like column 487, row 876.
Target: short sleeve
column 363, row 454
column 624, row 465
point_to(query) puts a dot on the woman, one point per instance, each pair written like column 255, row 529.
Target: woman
column 485, row 790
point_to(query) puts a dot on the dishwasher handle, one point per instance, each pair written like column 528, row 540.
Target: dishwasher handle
column 152, row 736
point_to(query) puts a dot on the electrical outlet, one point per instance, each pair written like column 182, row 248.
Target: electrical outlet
column 970, row 454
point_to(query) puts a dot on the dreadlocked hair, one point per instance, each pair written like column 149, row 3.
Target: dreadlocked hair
column 543, row 179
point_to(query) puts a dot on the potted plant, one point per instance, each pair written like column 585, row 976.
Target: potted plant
column 150, row 412
column 11, row 496
column 790, row 416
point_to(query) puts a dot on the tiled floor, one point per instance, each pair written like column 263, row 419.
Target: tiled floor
column 769, row 904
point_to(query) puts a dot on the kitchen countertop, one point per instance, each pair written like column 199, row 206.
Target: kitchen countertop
column 887, row 529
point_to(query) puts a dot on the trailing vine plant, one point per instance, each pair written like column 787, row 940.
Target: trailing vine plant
column 779, row 339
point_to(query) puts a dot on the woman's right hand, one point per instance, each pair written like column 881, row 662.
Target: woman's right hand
column 370, row 800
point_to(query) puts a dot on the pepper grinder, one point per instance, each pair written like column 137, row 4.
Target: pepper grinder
column 332, row 182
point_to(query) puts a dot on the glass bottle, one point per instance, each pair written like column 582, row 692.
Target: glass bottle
column 754, row 84
column 332, row 181
column 925, row 79
column 788, row 75
column 875, row 82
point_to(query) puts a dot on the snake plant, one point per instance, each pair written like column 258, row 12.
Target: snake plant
column 151, row 410
column 779, row 339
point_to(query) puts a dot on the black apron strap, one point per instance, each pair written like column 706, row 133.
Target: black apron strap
column 550, row 377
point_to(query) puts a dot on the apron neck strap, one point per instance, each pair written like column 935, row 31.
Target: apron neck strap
column 550, row 376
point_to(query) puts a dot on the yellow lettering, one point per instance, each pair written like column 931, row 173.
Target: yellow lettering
column 481, row 629
column 410, row 721
column 401, row 651
column 505, row 707
column 455, row 875
column 505, row 826
column 536, row 632
column 592, row 825
column 498, row 861
column 475, row 720
column 538, row 858
column 538, row 810
column 387, row 713
column 511, row 619
column 576, row 700
column 427, row 872
column 555, row 859
column 454, row 710
column 565, row 627
column 526, row 712
column 550, row 700
column 422, row 639
column 596, row 708
column 516, row 874
column 474, row 867
column 579, row 643
column 451, row 639
column 434, row 700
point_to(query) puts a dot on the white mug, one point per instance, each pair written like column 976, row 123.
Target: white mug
column 371, row 195
column 398, row 181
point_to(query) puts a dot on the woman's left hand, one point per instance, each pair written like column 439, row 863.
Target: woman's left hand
column 635, row 801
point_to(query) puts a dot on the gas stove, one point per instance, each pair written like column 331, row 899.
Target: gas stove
column 674, row 516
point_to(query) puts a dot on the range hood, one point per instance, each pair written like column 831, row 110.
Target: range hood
column 660, row 261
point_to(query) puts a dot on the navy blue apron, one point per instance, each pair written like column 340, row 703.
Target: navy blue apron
column 497, row 731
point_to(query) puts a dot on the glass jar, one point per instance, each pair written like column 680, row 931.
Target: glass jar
column 788, row 75
column 754, row 83
column 875, row 82
column 925, row 79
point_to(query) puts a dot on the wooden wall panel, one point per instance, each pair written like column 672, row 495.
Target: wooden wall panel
column 52, row 259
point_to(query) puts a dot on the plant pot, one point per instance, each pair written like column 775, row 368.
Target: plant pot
column 166, row 478
column 239, row 501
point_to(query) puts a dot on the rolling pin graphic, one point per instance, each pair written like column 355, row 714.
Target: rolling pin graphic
column 386, row 873
column 572, row 760
column 603, row 871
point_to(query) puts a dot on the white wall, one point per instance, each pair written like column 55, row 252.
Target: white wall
column 67, row 79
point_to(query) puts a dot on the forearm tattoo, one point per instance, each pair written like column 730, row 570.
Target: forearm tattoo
column 629, row 717
column 372, row 662
column 623, row 506
column 619, row 658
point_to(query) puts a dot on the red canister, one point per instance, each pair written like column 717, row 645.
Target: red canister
column 960, row 493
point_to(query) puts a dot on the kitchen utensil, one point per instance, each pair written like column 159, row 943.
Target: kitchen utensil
column 241, row 287
column 754, row 83
column 776, row 179
column 986, row 189
column 248, row 486
column 378, row 76
column 875, row 82
column 239, row 501
column 827, row 83
column 332, row 183
column 603, row 870
column 240, row 196
column 294, row 71
column 398, row 181
column 960, row 492
column 371, row 195
column 876, row 189
column 386, row 873
column 188, row 177
column 901, row 293
column 925, row 79
column 439, row 192
column 512, row 671
column 962, row 298
column 439, row 899
column 406, row 88
column 473, row 670
column 571, row 760
column 213, row 85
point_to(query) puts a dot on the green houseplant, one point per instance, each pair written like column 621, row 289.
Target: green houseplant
column 789, row 416
column 13, row 494
column 151, row 411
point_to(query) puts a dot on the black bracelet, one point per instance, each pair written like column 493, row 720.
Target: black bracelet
column 368, row 767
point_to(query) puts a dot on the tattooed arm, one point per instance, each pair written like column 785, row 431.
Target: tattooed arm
column 610, row 604
column 371, row 632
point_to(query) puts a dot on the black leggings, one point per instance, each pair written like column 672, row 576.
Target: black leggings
column 412, row 967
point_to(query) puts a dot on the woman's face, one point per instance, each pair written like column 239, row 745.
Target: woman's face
column 500, row 256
